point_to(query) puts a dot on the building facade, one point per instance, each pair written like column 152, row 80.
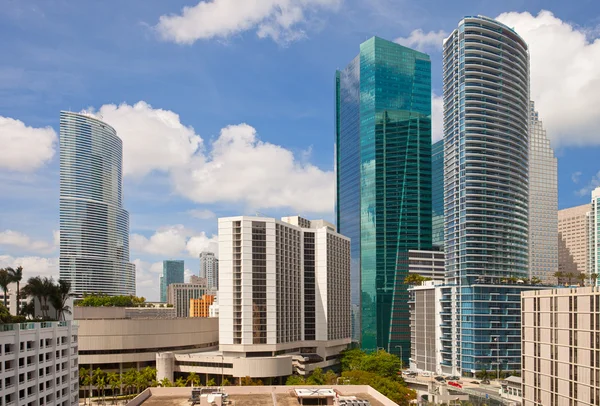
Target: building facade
column 543, row 202
column 383, row 181
column 427, row 263
column 94, row 227
column 173, row 272
column 180, row 294
column 486, row 165
column 209, row 269
column 39, row 364
column 425, row 331
column 437, row 194
column 573, row 239
column 594, row 236
column 561, row 347
column 201, row 307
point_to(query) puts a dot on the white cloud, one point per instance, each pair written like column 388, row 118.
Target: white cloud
column 437, row 117
column 24, row 242
column 565, row 79
column 592, row 184
column 576, row 176
column 153, row 139
column 24, row 149
column 281, row 20
column 423, row 41
column 173, row 241
column 202, row 214
column 241, row 168
column 146, row 279
column 32, row 266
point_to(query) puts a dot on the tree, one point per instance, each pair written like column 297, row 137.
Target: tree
column 59, row 296
column 483, row 374
column 28, row 309
column 114, row 381
column 165, row 383
column 570, row 277
column 330, row 377
column 193, row 379
column 352, row 359
column 295, row 380
column 179, row 382
column 17, row 276
column 98, row 375
column 393, row 389
column 247, row 381
column 536, row 281
column 211, row 382
column 415, row 279
column 85, row 380
column 101, row 385
column 559, row 275
column 594, row 278
column 41, row 289
column 5, row 280
column 225, row 382
column 581, row 277
column 382, row 363
column 129, row 380
column 316, row 378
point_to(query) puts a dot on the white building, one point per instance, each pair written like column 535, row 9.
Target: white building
column 39, row 364
column 284, row 300
column 427, row 263
column 593, row 217
column 209, row 269
column 179, row 295
column 425, row 331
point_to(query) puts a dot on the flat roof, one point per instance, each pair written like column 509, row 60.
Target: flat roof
column 315, row 393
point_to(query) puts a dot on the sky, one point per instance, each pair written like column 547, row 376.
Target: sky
column 226, row 107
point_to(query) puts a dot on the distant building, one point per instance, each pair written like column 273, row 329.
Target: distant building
column 573, row 239
column 594, row 235
column 437, row 194
column 201, row 307
column 209, row 269
column 173, row 272
column 425, row 332
column 427, row 263
column 179, row 295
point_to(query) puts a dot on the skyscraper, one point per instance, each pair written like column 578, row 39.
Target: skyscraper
column 594, row 236
column 543, row 202
column 209, row 269
column 486, row 142
column 383, row 180
column 573, row 239
column 94, row 227
column 173, row 272
column 437, row 193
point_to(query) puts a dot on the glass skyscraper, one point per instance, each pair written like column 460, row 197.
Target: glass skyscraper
column 486, row 142
column 543, row 202
column 383, row 176
column 173, row 272
column 94, row 227
column 437, row 193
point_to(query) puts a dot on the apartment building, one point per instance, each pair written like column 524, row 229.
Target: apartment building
column 427, row 263
column 573, row 239
column 39, row 364
column 425, row 332
column 180, row 294
column 201, row 307
column 561, row 347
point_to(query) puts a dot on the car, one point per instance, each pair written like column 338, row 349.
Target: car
column 475, row 382
column 425, row 374
column 454, row 378
column 485, row 382
column 439, row 379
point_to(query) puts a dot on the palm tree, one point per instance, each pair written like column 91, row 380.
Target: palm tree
column 5, row 280
column 594, row 277
column 114, row 381
column 28, row 310
column 570, row 277
column 59, row 297
column 166, row 383
column 84, row 380
column 41, row 289
column 559, row 275
column 101, row 385
column 129, row 380
column 582, row 277
column 535, row 280
column 16, row 275
column 179, row 382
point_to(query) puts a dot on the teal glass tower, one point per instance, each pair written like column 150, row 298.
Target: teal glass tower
column 383, row 182
column 173, row 272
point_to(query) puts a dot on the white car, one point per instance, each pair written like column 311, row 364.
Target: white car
column 425, row 374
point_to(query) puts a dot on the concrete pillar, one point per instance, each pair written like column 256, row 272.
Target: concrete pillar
column 165, row 364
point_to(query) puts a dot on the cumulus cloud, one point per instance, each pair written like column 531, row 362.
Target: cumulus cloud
column 23, row 242
column 202, row 214
column 576, row 176
column 153, row 139
column 437, row 117
column 422, row 41
column 24, row 149
column 32, row 266
column 591, row 185
column 565, row 79
column 281, row 20
column 146, row 279
column 173, row 241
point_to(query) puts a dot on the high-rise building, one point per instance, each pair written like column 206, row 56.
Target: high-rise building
column 437, row 194
column 383, row 181
column 94, row 227
column 427, row 263
column 209, row 269
column 594, row 235
column 543, row 202
column 486, row 142
column 561, row 351
column 180, row 294
column 425, row 321
column 573, row 239
column 173, row 272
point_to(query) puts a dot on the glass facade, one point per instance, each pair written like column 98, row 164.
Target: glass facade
column 383, row 173
column 94, row 227
column 543, row 202
column 437, row 193
column 173, row 272
column 486, row 165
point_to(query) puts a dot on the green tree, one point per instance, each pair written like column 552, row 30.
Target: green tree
column 193, row 379
column 559, row 275
column 415, row 279
column 225, row 382
column 114, row 381
column 59, row 296
column 85, row 380
column 129, row 380
column 295, row 380
column 101, row 385
column 352, row 359
column 165, row 383
column 16, row 275
column 382, row 363
column 536, row 281
column 593, row 278
column 97, row 375
column 330, row 377
column 316, row 378
column 581, row 277
column 180, row 382
column 211, row 382
column 5, row 280
column 393, row 389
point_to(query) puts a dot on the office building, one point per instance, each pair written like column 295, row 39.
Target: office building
column 427, row 263
column 383, row 182
column 209, row 269
column 573, row 239
column 173, row 272
column 437, row 194
column 425, row 331
column 94, row 227
column 201, row 307
column 486, row 166
column 39, row 364
column 180, row 294
column 561, row 347
column 594, row 235
column 543, row 202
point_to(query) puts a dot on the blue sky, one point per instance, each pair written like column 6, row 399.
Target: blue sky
column 227, row 108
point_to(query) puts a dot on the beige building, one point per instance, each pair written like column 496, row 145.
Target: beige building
column 573, row 239
column 180, row 294
column 561, row 347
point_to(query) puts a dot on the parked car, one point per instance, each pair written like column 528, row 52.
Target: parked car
column 485, row 382
column 439, row 379
column 475, row 382
column 426, row 374
column 454, row 378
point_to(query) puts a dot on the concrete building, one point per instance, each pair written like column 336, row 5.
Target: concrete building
column 561, row 347
column 173, row 272
column 284, row 300
column 209, row 269
column 94, row 227
column 201, row 307
column 573, row 239
column 594, row 235
column 543, row 202
column 180, row 294
column 118, row 338
column 486, row 194
column 425, row 331
column 427, row 263
column 39, row 364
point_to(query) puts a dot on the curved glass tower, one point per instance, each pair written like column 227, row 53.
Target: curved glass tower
column 94, row 227
column 486, row 158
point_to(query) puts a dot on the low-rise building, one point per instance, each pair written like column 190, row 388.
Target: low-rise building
column 179, row 295
column 201, row 307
